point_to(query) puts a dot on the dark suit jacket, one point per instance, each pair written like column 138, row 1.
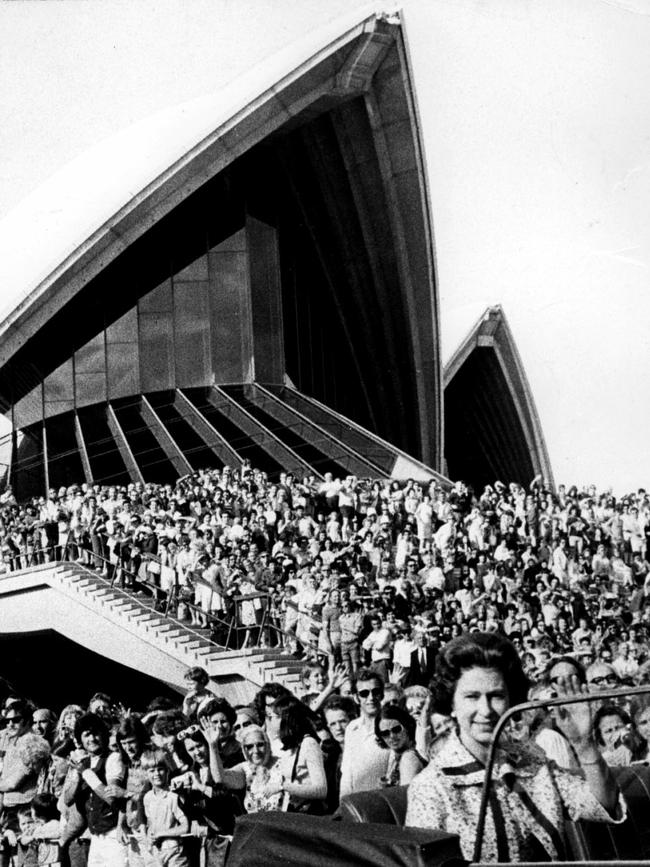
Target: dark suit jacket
column 419, row 675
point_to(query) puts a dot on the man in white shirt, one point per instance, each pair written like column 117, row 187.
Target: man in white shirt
column 624, row 664
column 379, row 642
column 364, row 762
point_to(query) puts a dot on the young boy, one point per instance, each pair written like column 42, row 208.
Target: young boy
column 24, row 844
column 197, row 680
column 46, row 830
column 166, row 821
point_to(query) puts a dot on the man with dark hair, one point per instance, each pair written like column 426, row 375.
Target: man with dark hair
column 364, row 761
column 97, row 776
column 423, row 659
column 26, row 753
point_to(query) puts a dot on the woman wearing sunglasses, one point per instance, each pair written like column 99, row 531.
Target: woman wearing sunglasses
column 395, row 730
column 259, row 774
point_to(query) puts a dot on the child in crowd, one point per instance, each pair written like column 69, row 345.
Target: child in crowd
column 37, row 844
column 166, row 821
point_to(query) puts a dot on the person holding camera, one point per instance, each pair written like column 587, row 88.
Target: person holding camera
column 206, row 802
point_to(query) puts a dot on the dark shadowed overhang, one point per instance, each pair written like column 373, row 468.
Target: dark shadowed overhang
column 492, row 429
column 352, row 89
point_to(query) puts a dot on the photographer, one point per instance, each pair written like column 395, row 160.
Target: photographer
column 206, row 802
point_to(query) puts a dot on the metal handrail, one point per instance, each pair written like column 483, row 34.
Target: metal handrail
column 519, row 708
column 171, row 596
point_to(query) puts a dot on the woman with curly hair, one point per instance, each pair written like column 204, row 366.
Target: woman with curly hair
column 64, row 732
column 478, row 677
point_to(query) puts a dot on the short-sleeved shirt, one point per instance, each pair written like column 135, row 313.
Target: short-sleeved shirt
column 364, row 761
column 163, row 812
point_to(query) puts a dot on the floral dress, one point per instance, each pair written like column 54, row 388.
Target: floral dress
column 526, row 809
column 258, row 778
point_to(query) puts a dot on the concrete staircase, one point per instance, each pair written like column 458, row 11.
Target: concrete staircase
column 158, row 645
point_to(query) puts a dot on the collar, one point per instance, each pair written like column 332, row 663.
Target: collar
column 463, row 769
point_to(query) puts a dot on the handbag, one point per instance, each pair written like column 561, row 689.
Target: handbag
column 214, row 850
column 311, row 807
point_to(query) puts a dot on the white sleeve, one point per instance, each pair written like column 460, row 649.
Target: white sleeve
column 115, row 770
column 346, row 767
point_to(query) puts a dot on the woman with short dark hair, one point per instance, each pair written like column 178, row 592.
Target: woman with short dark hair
column 203, row 796
column 395, row 731
column 616, row 736
column 300, row 761
column 478, row 677
column 217, row 717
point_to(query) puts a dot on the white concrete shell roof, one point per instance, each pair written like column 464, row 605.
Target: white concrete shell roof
column 492, row 331
column 93, row 207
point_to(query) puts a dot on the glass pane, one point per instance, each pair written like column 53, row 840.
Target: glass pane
column 122, row 356
column 123, row 370
column 28, row 468
column 159, row 300
column 192, row 332
column 156, row 351
column 91, row 358
column 59, row 390
column 229, row 311
column 90, row 372
column 29, row 409
column 125, row 330
column 197, row 270
column 91, row 388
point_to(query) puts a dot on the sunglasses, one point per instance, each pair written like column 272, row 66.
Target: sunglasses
column 259, row 744
column 14, row 719
column 395, row 730
column 375, row 693
column 607, row 679
column 242, row 725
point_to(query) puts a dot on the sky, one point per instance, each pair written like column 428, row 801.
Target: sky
column 535, row 118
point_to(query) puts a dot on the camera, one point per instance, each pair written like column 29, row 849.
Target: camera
column 184, row 781
column 188, row 732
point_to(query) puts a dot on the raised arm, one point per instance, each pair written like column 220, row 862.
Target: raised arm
column 576, row 723
column 231, row 778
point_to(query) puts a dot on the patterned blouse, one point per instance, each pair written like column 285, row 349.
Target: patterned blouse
column 529, row 801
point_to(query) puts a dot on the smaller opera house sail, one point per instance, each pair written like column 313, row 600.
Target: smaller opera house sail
column 492, row 430
column 252, row 278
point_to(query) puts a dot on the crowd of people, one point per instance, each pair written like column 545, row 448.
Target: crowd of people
column 375, row 585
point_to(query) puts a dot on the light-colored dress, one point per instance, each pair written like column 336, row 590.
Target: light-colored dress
column 527, row 804
column 257, row 779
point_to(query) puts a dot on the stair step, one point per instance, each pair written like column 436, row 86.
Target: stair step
column 192, row 646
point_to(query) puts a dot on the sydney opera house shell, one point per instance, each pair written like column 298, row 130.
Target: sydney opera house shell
column 263, row 289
